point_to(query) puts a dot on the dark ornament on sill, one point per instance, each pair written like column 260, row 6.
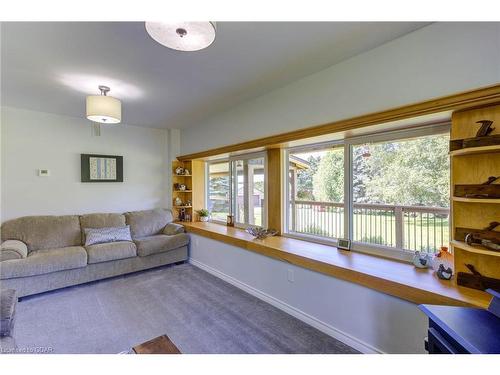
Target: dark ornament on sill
column 444, row 273
column 475, row 280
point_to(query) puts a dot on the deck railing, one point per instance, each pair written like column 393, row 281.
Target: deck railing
column 405, row 227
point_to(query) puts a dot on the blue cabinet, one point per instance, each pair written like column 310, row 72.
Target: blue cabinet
column 463, row 330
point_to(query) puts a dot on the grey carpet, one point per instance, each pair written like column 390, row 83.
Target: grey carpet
column 198, row 311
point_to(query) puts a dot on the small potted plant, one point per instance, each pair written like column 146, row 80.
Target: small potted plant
column 203, row 214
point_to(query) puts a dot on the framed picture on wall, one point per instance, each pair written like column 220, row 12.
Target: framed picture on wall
column 101, row 168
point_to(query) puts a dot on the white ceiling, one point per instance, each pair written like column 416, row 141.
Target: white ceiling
column 52, row 66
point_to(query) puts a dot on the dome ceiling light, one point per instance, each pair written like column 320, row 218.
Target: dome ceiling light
column 182, row 36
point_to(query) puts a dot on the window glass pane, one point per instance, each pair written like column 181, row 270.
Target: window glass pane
column 219, row 190
column 250, row 191
column 316, row 186
column 401, row 193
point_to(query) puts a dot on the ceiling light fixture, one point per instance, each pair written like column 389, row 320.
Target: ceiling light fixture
column 182, row 36
column 103, row 109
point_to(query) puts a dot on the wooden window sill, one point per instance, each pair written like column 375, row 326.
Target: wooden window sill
column 389, row 276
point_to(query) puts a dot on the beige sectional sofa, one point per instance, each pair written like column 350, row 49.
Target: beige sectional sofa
column 42, row 253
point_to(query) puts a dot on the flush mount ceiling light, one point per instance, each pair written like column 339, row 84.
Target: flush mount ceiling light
column 182, row 36
column 104, row 109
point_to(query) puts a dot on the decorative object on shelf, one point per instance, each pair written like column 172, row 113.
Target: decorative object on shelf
column 486, row 190
column 482, row 138
column 203, row 214
column 444, row 273
column 186, row 172
column 180, row 187
column 188, row 202
column 475, row 280
column 179, row 171
column 422, row 260
column 182, row 36
column 182, row 214
column 101, row 168
column 230, row 220
column 103, row 109
column 187, row 217
column 178, row 201
column 486, row 237
column 485, row 128
column 444, row 258
column 260, row 233
column 470, row 239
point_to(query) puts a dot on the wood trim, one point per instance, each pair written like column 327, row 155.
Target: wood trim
column 274, row 189
column 198, row 186
column 464, row 100
column 389, row 276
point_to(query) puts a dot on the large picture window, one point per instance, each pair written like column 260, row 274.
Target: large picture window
column 389, row 191
column 237, row 186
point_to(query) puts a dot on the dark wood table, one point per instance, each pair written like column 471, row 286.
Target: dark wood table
column 158, row 345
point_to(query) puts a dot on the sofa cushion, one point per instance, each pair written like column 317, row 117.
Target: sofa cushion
column 104, row 252
column 44, row 232
column 101, row 221
column 160, row 243
column 44, row 261
column 148, row 223
column 13, row 249
column 94, row 236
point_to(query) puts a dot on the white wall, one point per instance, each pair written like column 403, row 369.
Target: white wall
column 34, row 140
column 367, row 320
column 440, row 59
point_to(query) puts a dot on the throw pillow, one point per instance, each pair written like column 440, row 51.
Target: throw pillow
column 102, row 235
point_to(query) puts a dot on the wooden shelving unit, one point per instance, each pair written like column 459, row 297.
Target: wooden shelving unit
column 183, row 195
column 473, row 166
column 195, row 188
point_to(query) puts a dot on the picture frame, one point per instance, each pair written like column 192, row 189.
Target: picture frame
column 101, row 168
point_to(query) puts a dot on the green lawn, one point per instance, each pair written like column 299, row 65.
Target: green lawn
column 422, row 232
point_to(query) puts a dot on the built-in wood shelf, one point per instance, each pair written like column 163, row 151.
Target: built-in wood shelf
column 393, row 277
column 476, row 200
column 478, row 249
column 183, row 206
column 476, row 150
column 183, row 191
column 182, row 175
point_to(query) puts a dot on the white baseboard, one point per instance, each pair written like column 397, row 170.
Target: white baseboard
column 306, row 318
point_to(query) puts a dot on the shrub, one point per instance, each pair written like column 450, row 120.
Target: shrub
column 315, row 229
column 374, row 239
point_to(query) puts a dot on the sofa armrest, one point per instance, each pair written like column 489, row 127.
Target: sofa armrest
column 173, row 228
column 13, row 249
